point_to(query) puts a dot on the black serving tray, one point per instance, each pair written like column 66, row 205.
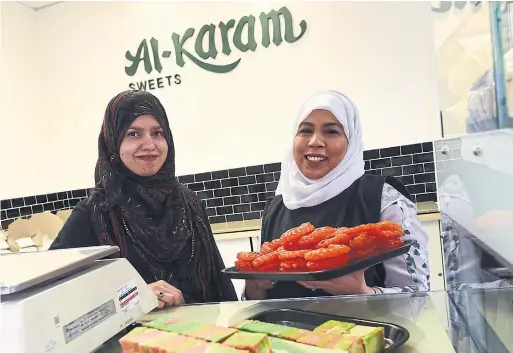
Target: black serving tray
column 395, row 335
column 235, row 273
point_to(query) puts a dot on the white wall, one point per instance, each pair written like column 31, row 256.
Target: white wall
column 380, row 54
column 23, row 121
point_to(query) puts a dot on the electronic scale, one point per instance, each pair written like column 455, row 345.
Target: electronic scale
column 68, row 300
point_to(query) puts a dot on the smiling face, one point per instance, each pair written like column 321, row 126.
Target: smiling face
column 144, row 148
column 320, row 144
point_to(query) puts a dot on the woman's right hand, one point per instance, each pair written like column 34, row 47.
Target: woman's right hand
column 257, row 290
column 166, row 294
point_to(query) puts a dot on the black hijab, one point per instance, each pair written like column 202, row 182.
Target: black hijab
column 158, row 224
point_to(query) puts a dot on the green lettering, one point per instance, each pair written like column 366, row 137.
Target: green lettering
column 155, row 51
column 249, row 23
column 243, row 42
column 178, row 44
column 224, row 35
column 274, row 16
column 212, row 51
column 142, row 55
column 180, row 52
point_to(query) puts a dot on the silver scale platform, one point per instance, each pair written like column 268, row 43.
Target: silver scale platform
column 68, row 300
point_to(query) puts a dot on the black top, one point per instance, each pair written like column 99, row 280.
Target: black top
column 78, row 232
column 358, row 204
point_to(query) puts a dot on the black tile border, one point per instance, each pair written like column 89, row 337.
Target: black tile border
column 240, row 193
column 26, row 206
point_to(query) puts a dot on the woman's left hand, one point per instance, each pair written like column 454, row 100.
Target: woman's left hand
column 167, row 295
column 353, row 283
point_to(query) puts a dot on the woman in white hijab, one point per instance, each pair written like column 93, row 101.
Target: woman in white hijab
column 323, row 182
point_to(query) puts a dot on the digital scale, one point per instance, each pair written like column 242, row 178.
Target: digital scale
column 68, row 300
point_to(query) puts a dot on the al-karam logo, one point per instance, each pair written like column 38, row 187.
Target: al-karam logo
column 152, row 57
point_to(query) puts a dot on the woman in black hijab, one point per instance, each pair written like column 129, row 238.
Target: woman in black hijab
column 138, row 205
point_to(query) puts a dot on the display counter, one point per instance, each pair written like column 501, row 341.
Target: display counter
column 470, row 321
column 424, row 315
column 487, row 315
column 467, row 320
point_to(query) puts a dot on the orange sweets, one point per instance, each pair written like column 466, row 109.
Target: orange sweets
column 306, row 248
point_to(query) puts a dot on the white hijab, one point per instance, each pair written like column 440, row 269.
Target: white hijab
column 297, row 190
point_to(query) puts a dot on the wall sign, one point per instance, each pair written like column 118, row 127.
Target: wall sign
column 446, row 6
column 196, row 48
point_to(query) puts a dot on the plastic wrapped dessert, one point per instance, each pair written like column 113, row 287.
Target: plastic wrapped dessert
column 372, row 338
column 174, row 335
column 279, row 331
column 147, row 340
column 306, row 249
column 333, row 326
column 251, row 342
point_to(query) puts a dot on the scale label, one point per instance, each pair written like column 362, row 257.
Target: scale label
column 128, row 296
column 78, row 327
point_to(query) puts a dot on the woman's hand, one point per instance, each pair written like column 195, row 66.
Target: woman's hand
column 256, row 290
column 166, row 294
column 353, row 283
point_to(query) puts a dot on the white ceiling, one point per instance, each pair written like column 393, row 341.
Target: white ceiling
column 37, row 5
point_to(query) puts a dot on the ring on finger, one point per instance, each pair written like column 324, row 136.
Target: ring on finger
column 161, row 294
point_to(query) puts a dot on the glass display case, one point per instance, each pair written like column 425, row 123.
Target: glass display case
column 463, row 54
column 424, row 315
column 475, row 170
column 471, row 321
column 475, row 178
column 470, row 36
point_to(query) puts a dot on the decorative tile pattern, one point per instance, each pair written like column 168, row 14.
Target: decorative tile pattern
column 26, row 206
column 412, row 164
column 240, row 193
